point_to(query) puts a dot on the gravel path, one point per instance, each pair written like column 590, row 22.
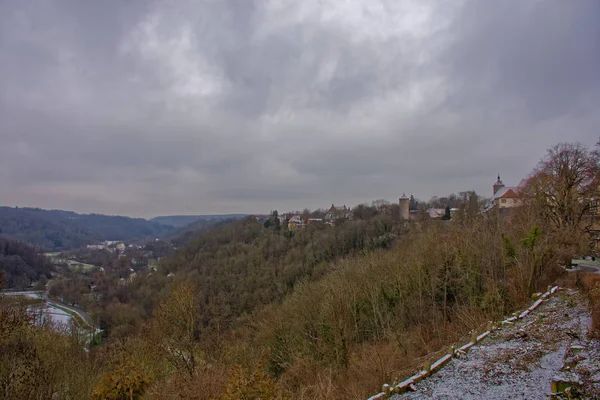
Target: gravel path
column 517, row 361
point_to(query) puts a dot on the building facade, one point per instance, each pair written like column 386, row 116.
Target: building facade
column 505, row 196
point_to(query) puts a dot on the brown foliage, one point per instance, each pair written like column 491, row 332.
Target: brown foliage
column 436, row 284
column 564, row 183
column 37, row 362
column 247, row 384
column 322, row 313
column 590, row 283
column 123, row 381
column 176, row 324
column 207, row 384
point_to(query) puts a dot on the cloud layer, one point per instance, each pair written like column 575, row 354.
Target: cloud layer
column 146, row 108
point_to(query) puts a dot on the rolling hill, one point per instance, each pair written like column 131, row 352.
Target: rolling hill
column 21, row 264
column 56, row 230
column 180, row 221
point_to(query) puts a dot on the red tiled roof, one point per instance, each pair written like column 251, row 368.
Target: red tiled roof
column 508, row 194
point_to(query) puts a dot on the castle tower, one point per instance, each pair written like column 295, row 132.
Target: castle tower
column 404, row 208
column 498, row 185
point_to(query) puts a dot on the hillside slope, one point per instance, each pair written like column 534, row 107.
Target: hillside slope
column 180, row 236
column 180, row 221
column 242, row 266
column 56, row 230
column 520, row 361
column 22, row 264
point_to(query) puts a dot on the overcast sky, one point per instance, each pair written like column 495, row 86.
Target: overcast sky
column 148, row 108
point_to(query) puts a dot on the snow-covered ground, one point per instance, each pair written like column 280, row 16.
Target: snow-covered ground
column 519, row 360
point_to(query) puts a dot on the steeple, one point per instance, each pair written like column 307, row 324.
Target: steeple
column 498, row 185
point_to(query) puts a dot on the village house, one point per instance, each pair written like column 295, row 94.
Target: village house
column 338, row 212
column 260, row 218
column 295, row 222
column 506, row 199
column 439, row 213
column 506, row 196
column 436, row 213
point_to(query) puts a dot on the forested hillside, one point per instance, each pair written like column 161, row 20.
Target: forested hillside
column 243, row 266
column 22, row 264
column 239, row 268
column 183, row 235
column 180, row 221
column 56, row 230
column 329, row 312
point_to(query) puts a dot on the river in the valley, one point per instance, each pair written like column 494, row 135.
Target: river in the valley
column 43, row 312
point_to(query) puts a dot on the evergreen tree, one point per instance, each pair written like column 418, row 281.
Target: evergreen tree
column 412, row 203
column 447, row 216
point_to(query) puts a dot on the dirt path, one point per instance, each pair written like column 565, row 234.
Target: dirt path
column 585, row 266
column 520, row 360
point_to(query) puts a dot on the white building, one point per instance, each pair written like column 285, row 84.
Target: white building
column 505, row 196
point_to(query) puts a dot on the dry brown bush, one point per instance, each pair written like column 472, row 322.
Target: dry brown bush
column 206, row 384
column 590, row 283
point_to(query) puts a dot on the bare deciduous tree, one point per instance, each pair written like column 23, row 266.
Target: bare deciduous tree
column 177, row 323
column 564, row 184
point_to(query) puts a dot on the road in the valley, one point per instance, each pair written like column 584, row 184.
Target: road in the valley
column 79, row 312
column 53, row 303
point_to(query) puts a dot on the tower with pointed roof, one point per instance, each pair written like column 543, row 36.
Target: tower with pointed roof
column 498, row 185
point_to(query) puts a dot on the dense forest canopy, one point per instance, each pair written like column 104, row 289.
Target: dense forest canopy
column 183, row 235
column 180, row 221
column 22, row 264
column 244, row 265
column 56, row 230
column 238, row 267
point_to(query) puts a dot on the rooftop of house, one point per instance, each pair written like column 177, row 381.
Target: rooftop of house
column 436, row 212
column 296, row 219
column 507, row 192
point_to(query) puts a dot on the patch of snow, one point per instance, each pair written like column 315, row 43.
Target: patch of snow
column 517, row 361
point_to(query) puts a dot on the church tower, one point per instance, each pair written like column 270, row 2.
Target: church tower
column 498, row 185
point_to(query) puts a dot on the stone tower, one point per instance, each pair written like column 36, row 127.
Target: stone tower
column 498, row 185
column 404, row 208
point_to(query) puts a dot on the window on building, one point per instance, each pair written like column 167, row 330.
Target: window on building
column 502, row 200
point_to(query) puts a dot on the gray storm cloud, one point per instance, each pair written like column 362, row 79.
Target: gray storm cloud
column 147, row 108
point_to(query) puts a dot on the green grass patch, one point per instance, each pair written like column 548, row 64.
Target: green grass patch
column 74, row 265
column 581, row 261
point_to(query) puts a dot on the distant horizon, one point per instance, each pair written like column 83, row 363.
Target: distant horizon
column 238, row 213
column 128, row 216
